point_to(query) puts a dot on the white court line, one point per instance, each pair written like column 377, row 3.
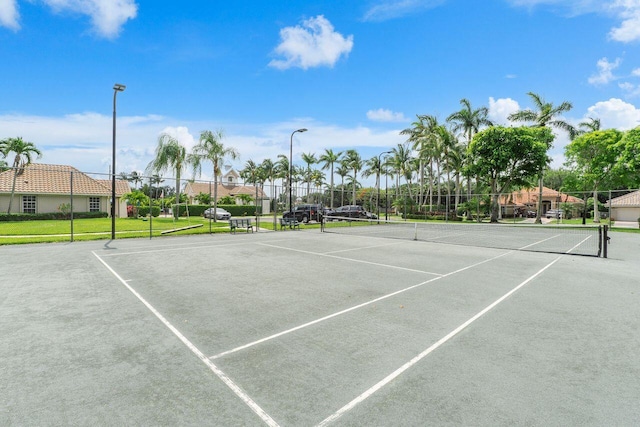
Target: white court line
column 540, row 241
column 328, row 255
column 355, row 307
column 340, row 412
column 366, row 247
column 217, row 371
column 172, row 249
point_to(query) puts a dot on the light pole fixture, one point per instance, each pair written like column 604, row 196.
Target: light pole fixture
column 385, row 190
column 291, row 168
column 116, row 88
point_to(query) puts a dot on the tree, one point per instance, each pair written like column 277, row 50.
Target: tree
column 507, row 155
column 170, row 154
column 328, row 160
column 469, row 121
column 309, row 159
column 210, row 148
column 593, row 155
column 342, row 170
column 400, row 161
column 627, row 168
column 269, row 171
column 354, row 162
column 24, row 152
column 545, row 116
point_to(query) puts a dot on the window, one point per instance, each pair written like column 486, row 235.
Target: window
column 94, row 204
column 29, row 204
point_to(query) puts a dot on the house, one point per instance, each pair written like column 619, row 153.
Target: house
column 229, row 186
column 41, row 188
column 625, row 208
column 527, row 199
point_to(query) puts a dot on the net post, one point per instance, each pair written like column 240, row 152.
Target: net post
column 605, row 240
column 415, row 231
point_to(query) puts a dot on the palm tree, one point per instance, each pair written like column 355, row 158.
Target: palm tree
column 545, row 115
column 24, row 152
column 309, row 159
column 282, row 168
column 401, row 162
column 342, row 170
column 210, row 148
column 374, row 166
column 328, row 160
column 270, row 172
column 252, row 174
column 170, row 154
column 354, row 162
column 469, row 122
column 591, row 125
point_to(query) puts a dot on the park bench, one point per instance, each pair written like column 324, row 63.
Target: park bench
column 235, row 223
column 289, row 222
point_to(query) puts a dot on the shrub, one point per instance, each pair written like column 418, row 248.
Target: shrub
column 51, row 215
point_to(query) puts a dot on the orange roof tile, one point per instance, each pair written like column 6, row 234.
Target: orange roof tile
column 38, row 178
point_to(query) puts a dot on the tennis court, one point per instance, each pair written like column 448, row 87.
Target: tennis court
column 303, row 328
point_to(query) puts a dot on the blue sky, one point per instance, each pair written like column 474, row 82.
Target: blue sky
column 353, row 72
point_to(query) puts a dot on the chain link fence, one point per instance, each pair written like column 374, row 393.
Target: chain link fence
column 43, row 203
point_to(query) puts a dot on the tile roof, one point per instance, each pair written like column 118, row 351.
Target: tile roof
column 628, row 200
column 39, row 178
column 195, row 188
column 530, row 196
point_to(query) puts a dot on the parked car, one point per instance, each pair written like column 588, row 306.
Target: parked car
column 532, row 214
column 305, row 213
column 554, row 213
column 220, row 213
column 348, row 211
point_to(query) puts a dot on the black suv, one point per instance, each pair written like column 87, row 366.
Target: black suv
column 349, row 211
column 306, row 213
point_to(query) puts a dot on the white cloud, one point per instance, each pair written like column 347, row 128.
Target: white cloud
column 500, row 109
column 626, row 11
column 9, row 15
column 391, row 9
column 107, row 16
column 605, row 71
column 615, row 113
column 384, row 115
column 313, row 44
column 636, row 72
column 629, row 12
column 84, row 140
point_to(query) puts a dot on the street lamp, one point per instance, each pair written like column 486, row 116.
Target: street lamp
column 116, row 88
column 291, row 168
column 385, row 190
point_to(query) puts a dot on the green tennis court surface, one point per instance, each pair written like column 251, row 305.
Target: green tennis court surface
column 304, row 328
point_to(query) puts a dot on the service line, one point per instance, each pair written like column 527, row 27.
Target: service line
column 355, row 307
column 349, row 406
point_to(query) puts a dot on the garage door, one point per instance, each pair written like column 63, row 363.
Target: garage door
column 625, row 214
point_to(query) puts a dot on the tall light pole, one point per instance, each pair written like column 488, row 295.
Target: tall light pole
column 291, row 168
column 385, row 191
column 116, row 88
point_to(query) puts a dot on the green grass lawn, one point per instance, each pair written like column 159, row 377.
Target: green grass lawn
column 13, row 232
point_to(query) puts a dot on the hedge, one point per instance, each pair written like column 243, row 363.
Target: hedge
column 51, row 215
column 234, row 210
column 144, row 211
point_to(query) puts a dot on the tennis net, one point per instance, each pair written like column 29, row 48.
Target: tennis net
column 574, row 240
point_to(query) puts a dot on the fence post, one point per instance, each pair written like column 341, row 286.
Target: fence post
column 71, row 203
column 150, row 208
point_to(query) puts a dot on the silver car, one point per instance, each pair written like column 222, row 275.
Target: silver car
column 220, row 213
